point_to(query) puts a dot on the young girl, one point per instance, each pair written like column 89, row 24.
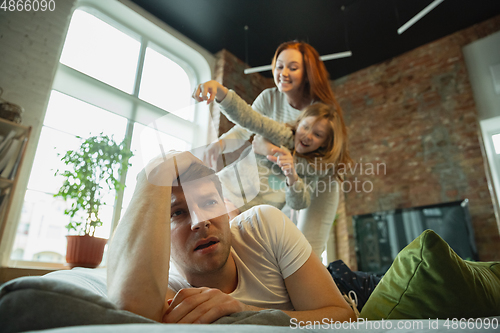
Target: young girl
column 316, row 140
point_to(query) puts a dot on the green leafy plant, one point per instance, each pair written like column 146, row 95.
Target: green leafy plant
column 95, row 170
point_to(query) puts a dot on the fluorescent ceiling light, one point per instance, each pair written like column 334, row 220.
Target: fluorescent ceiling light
column 324, row 58
column 258, row 69
column 336, row 55
column 417, row 17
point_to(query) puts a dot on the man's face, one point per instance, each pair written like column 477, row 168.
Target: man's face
column 200, row 233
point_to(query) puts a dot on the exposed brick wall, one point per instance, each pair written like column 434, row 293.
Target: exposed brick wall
column 31, row 43
column 344, row 235
column 229, row 72
column 416, row 114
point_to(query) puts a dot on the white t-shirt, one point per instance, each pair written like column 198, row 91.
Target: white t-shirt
column 267, row 248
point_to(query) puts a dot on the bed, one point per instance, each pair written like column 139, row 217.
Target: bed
column 427, row 288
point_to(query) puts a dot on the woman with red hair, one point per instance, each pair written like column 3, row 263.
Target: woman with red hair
column 301, row 79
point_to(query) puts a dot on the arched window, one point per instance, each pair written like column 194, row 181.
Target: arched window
column 114, row 77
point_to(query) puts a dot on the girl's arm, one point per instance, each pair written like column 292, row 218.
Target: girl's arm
column 239, row 112
column 284, row 159
column 235, row 137
column 262, row 146
column 298, row 194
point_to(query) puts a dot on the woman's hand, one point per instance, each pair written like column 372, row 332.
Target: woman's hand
column 261, row 146
column 212, row 153
column 285, row 162
column 212, row 88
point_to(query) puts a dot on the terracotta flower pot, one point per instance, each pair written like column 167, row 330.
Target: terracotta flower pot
column 84, row 251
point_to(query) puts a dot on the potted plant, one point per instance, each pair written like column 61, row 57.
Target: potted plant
column 95, row 170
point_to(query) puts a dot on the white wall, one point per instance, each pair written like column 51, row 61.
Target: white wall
column 480, row 56
column 30, row 47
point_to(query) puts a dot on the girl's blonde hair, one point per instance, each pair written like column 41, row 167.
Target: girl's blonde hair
column 334, row 150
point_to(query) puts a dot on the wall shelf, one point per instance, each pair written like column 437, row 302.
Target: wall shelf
column 11, row 131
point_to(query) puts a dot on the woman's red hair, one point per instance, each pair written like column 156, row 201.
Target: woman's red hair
column 317, row 84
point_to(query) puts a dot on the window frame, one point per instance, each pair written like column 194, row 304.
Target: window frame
column 197, row 63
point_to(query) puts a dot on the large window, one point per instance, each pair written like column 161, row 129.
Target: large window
column 114, row 80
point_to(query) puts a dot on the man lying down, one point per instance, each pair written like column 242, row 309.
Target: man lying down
column 259, row 260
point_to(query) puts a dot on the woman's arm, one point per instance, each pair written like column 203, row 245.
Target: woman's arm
column 316, row 220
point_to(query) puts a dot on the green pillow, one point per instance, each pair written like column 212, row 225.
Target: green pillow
column 429, row 280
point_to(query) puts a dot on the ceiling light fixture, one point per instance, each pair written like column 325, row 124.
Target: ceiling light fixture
column 323, row 58
column 417, row 17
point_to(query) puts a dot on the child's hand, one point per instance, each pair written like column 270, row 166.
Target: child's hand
column 209, row 91
column 285, row 162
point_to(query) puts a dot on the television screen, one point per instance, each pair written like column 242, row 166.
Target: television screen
column 381, row 235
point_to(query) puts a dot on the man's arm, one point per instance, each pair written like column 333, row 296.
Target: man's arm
column 314, row 294
column 311, row 289
column 139, row 253
column 309, row 285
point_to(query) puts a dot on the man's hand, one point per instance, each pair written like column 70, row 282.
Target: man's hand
column 261, row 146
column 212, row 88
column 285, row 162
column 163, row 170
column 202, row 306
